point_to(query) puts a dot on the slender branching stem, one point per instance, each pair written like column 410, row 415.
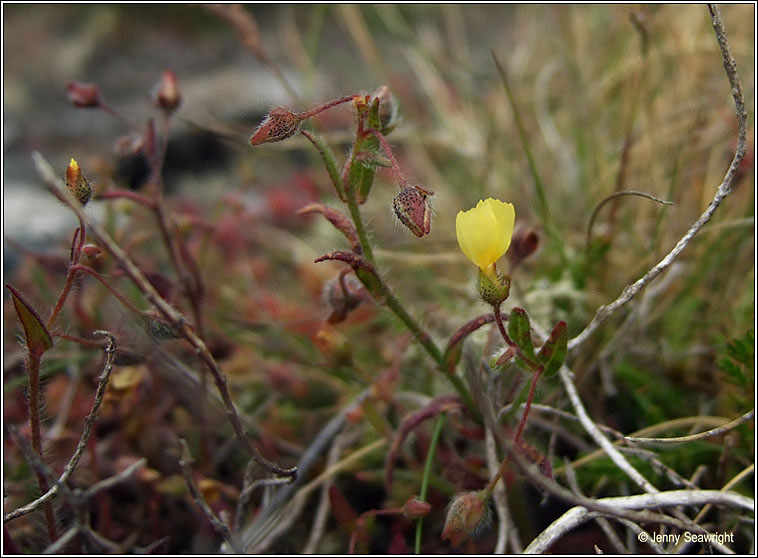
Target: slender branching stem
column 402, row 181
column 175, row 318
column 326, row 106
column 33, row 363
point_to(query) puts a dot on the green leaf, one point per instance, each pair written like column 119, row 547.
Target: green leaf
column 38, row 339
column 553, row 351
column 364, row 187
column 373, row 116
column 520, row 331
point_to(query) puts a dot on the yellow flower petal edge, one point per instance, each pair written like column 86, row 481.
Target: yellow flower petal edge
column 484, row 232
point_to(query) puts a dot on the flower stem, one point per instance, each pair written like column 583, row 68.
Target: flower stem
column 33, row 364
column 427, row 474
column 399, row 176
column 501, row 327
column 326, row 106
column 355, row 213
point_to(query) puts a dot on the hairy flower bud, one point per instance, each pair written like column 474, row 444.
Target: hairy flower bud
column 524, row 243
column 415, row 508
column 387, row 109
column 493, row 287
column 166, row 94
column 413, row 209
column 278, row 125
column 467, row 515
column 83, row 95
column 77, row 184
column 343, row 295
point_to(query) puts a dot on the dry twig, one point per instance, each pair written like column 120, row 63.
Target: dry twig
column 724, row 189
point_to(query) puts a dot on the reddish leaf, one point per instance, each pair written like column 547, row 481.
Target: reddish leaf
column 336, row 218
column 553, row 351
column 38, row 339
column 435, row 407
column 455, row 345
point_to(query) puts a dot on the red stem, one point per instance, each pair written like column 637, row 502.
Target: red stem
column 77, row 242
column 321, row 108
column 33, row 366
column 127, row 194
column 501, row 327
column 113, row 291
column 398, row 174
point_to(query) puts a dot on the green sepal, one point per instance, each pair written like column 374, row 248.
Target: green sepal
column 373, row 116
column 553, row 351
column 367, row 180
column 493, row 290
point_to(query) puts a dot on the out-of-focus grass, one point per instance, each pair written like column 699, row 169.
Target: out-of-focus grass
column 586, row 81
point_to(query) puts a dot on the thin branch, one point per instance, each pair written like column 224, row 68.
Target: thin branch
column 219, row 526
column 699, row 436
column 613, row 196
column 578, row 515
column 505, row 528
column 603, row 522
column 252, row 536
column 174, row 317
column 115, row 479
column 724, row 189
column 593, row 430
column 324, row 506
column 538, row 478
column 89, row 422
column 58, row 546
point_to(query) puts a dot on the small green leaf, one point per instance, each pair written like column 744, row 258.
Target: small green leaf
column 373, row 116
column 520, row 331
column 364, row 187
column 553, row 351
column 38, row 339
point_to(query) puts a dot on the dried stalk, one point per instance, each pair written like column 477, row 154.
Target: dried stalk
column 578, row 515
column 175, row 318
column 724, row 189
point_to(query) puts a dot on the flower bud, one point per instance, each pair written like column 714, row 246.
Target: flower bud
column 387, row 109
column 129, row 144
column 278, row 125
column 413, row 209
column 342, row 295
column 158, row 328
column 493, row 287
column 415, row 508
column 467, row 515
column 524, row 243
column 77, row 184
column 83, row 95
column 166, row 94
column 91, row 251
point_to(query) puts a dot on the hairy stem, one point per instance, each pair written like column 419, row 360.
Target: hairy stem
column 33, row 363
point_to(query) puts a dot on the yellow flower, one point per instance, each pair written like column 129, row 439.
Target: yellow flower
column 484, row 232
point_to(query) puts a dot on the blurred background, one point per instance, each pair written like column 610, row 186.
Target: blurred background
column 610, row 98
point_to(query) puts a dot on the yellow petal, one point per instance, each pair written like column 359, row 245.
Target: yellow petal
column 484, row 232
